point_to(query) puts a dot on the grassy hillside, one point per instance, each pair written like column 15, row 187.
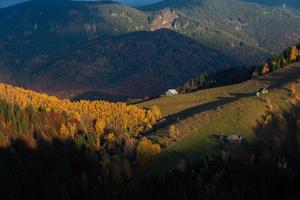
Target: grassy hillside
column 228, row 110
column 240, row 74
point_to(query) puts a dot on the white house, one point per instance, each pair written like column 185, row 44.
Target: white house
column 171, row 92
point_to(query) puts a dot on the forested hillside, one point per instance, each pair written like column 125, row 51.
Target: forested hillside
column 47, row 26
column 112, row 134
column 134, row 65
column 42, row 37
column 291, row 4
column 39, row 28
column 117, row 117
column 238, row 28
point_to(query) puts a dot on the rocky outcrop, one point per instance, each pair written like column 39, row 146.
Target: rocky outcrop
column 165, row 19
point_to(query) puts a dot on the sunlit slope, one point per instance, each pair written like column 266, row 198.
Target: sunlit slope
column 118, row 116
column 226, row 110
column 178, row 103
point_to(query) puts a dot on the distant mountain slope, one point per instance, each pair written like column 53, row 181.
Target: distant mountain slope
column 281, row 3
column 236, row 27
column 134, row 65
column 239, row 29
column 42, row 27
column 31, row 32
column 6, row 3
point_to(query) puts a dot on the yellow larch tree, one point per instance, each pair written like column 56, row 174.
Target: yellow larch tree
column 118, row 117
column 100, row 126
column 146, row 151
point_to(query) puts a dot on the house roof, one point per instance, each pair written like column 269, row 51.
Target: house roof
column 172, row 91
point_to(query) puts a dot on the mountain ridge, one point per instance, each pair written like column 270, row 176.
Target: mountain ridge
column 43, row 32
column 167, row 55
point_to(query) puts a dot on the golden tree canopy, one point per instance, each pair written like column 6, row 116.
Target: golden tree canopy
column 100, row 126
column 146, row 151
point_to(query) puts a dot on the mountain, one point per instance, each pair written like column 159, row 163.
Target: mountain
column 71, row 60
column 236, row 27
column 38, row 29
column 41, row 33
column 138, row 64
column 138, row 3
column 281, row 3
column 6, row 3
column 41, row 27
column 289, row 3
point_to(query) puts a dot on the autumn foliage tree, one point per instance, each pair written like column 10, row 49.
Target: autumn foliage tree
column 117, row 117
column 100, row 126
column 288, row 56
column 294, row 54
column 108, row 132
column 147, row 151
column 156, row 112
column 68, row 130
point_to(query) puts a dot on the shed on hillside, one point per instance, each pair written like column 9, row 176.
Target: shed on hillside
column 171, row 92
column 233, row 139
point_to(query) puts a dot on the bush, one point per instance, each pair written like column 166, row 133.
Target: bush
column 173, row 132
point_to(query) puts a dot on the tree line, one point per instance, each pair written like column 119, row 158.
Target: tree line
column 220, row 78
column 288, row 56
column 235, row 75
